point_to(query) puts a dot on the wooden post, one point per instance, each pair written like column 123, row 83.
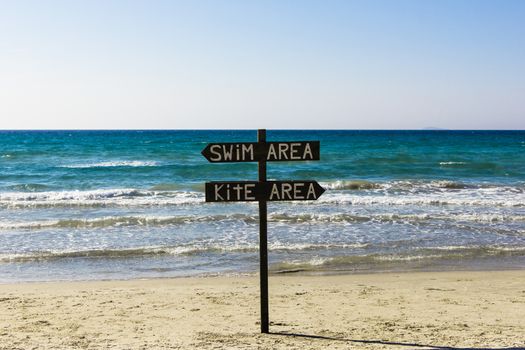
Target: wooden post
column 263, row 243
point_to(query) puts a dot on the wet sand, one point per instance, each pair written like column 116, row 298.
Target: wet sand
column 426, row 310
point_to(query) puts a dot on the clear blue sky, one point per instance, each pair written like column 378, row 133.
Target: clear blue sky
column 275, row 64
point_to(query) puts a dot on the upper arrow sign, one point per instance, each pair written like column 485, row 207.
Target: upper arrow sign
column 256, row 151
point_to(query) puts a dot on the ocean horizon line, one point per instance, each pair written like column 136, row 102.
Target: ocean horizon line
column 269, row 129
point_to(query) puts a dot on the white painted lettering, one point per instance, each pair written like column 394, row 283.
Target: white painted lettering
column 297, row 189
column 272, row 154
column 308, row 150
column 294, row 151
column 217, row 188
column 248, row 192
column 274, row 192
column 216, row 155
column 286, row 189
column 247, row 150
column 311, row 191
column 283, row 148
column 228, row 153
column 238, row 189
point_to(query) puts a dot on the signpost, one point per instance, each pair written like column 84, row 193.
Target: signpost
column 262, row 191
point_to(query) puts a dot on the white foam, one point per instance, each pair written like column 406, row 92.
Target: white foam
column 395, row 186
column 102, row 197
column 477, row 197
column 109, row 221
column 314, row 246
column 452, row 163
column 118, row 163
column 28, row 225
column 335, row 218
column 394, row 258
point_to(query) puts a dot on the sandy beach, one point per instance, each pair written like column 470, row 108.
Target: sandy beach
column 434, row 310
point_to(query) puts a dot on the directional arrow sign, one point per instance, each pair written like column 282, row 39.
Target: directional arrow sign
column 251, row 191
column 257, row 151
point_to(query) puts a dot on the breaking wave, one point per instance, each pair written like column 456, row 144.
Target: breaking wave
column 417, row 186
column 185, row 250
column 422, row 257
column 342, row 217
column 30, row 187
column 434, row 193
column 123, row 221
column 102, row 197
column 277, row 217
column 351, row 185
column 122, row 163
column 501, row 200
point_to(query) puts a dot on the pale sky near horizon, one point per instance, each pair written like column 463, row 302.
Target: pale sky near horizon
column 251, row 64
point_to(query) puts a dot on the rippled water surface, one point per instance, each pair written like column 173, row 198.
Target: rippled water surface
column 128, row 204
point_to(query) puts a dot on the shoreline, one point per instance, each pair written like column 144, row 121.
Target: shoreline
column 284, row 273
column 465, row 309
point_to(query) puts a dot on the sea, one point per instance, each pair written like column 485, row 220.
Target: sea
column 99, row 205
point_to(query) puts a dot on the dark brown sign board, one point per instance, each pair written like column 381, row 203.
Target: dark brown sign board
column 252, row 191
column 257, row 151
column 262, row 191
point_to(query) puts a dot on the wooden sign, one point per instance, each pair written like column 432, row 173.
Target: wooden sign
column 257, row 151
column 251, row 191
column 262, row 191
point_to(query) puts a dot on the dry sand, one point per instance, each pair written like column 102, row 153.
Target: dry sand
column 436, row 310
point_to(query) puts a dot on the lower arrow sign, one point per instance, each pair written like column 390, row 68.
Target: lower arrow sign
column 251, row 191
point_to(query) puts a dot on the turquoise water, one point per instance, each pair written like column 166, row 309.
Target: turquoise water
column 130, row 204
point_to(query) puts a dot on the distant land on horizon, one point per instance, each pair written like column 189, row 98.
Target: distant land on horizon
column 434, row 128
